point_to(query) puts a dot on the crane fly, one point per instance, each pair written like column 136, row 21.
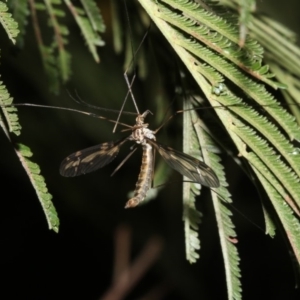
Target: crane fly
column 96, row 157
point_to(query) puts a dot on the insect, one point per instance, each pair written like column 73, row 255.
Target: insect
column 96, row 157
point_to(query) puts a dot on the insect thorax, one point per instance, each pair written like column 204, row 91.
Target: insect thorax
column 141, row 132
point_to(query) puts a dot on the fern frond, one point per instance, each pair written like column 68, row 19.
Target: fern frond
column 8, row 23
column 220, row 196
column 282, row 53
column 191, row 216
column 263, row 125
column 274, row 37
column 292, row 94
column 47, row 53
column 38, row 182
column 266, row 134
column 245, row 18
column 23, row 152
column 9, row 112
column 290, row 223
column 20, row 12
column 247, row 58
column 266, row 163
column 50, row 66
column 256, row 91
column 217, row 29
column 269, row 224
column 94, row 16
column 60, row 37
column 116, row 27
column 89, row 27
column 64, row 63
column 278, row 49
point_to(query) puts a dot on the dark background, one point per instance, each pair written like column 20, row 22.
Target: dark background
column 78, row 263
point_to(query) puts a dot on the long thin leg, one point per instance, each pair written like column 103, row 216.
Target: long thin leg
column 130, row 84
column 123, row 162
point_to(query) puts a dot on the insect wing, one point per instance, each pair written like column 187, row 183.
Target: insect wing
column 187, row 165
column 90, row 159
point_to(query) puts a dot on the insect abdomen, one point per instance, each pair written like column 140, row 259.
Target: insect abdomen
column 145, row 177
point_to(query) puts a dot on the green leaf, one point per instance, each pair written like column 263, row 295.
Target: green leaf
column 23, row 152
column 9, row 112
column 221, row 196
column 246, row 8
column 94, row 16
column 90, row 26
column 60, row 39
column 191, row 216
column 20, row 13
column 8, row 23
column 38, row 182
column 234, row 80
column 50, row 66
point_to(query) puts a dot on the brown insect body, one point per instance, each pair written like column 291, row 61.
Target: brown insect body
column 145, row 177
column 140, row 134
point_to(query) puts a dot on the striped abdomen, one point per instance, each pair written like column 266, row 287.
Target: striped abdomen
column 145, row 177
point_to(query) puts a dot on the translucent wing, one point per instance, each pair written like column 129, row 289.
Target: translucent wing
column 187, row 165
column 90, row 159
